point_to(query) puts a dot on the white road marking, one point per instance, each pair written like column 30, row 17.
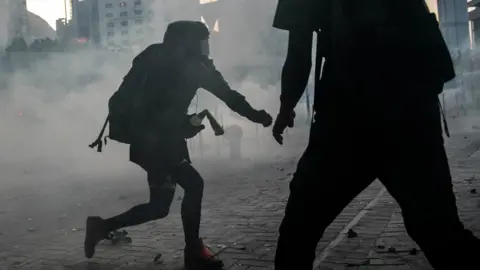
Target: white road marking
column 350, row 225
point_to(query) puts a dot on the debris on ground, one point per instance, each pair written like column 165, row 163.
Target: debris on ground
column 117, row 237
column 359, row 263
column 391, row 249
column 158, row 258
column 239, row 247
column 351, row 234
column 470, row 179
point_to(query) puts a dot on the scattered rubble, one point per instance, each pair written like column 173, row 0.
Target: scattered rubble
column 351, row 234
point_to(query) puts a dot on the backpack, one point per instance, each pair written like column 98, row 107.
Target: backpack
column 122, row 104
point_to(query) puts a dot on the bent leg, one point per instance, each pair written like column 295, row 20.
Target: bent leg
column 162, row 190
column 192, row 182
column 327, row 179
column 197, row 255
column 161, row 195
column 416, row 172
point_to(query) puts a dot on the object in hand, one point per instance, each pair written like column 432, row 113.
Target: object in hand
column 197, row 119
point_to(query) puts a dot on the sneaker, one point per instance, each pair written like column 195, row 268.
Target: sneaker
column 198, row 257
column 95, row 232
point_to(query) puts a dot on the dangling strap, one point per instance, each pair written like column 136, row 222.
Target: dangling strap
column 98, row 142
column 444, row 119
column 318, row 69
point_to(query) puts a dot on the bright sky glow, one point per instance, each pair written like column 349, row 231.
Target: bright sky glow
column 49, row 10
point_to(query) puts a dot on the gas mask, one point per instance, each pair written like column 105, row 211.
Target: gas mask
column 205, row 48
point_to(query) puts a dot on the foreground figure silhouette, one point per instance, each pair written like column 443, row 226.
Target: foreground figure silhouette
column 159, row 87
column 377, row 115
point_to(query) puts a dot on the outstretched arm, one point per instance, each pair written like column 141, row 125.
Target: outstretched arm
column 211, row 80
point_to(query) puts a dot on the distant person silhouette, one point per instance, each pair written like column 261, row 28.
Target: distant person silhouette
column 234, row 134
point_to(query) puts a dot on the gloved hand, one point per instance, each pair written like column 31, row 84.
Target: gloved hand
column 191, row 131
column 262, row 117
column 285, row 118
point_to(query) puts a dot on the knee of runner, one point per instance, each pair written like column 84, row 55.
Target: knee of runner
column 162, row 212
column 195, row 186
column 158, row 210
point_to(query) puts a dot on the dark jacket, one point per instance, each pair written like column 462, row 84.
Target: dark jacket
column 400, row 37
column 169, row 82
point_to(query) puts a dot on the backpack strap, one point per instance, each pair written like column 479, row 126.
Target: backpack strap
column 98, row 142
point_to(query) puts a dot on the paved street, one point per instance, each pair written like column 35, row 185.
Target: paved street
column 42, row 225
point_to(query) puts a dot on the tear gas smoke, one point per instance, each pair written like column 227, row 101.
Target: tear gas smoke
column 52, row 111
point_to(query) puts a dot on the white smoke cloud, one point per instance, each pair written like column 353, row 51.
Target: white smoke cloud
column 61, row 115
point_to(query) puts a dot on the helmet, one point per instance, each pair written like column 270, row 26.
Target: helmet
column 185, row 32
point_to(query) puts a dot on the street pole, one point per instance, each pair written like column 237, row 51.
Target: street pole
column 65, row 7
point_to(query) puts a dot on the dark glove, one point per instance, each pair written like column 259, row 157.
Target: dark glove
column 191, row 131
column 262, row 117
column 285, row 118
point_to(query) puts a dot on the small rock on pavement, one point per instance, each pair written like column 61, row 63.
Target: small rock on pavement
column 158, row 259
column 351, row 234
column 391, row 249
column 239, row 247
column 473, row 191
column 31, row 229
column 122, row 197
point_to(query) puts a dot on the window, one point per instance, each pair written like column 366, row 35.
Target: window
column 124, row 32
column 138, row 12
column 109, row 15
column 123, row 4
column 109, row 5
column 110, row 34
column 138, row 21
column 123, row 14
column 124, row 23
column 202, row 2
column 137, row 3
column 110, row 24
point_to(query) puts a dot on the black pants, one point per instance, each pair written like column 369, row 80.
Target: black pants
column 357, row 138
column 162, row 186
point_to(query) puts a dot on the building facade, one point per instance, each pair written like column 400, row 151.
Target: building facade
column 474, row 16
column 18, row 20
column 454, row 22
column 125, row 23
column 85, row 20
